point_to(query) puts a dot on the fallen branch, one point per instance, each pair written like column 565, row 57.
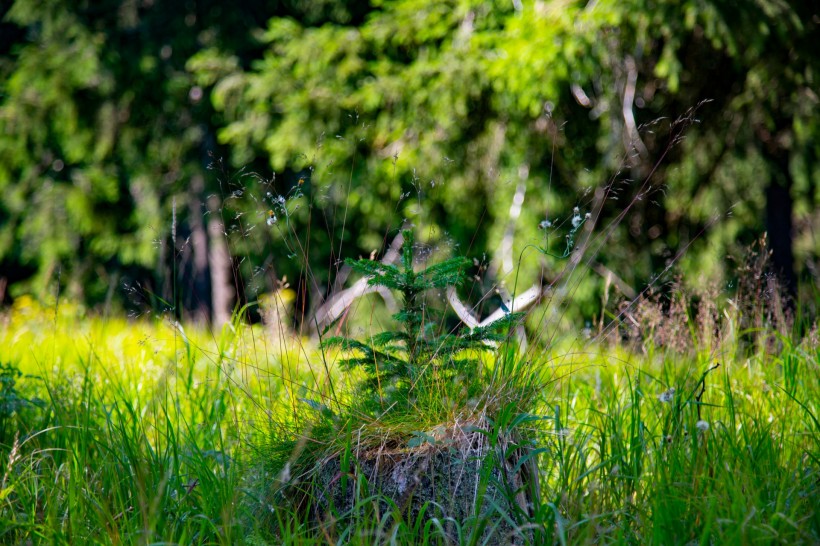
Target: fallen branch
column 610, row 276
column 338, row 303
column 525, row 300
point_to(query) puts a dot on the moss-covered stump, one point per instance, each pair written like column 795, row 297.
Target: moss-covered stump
column 453, row 473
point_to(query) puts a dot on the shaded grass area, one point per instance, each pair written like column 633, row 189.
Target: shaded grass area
column 117, row 432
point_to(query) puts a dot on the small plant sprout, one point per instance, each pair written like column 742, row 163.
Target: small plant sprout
column 396, row 361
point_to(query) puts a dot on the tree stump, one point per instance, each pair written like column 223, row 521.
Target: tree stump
column 452, row 473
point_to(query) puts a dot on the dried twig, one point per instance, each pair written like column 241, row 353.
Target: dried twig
column 702, row 385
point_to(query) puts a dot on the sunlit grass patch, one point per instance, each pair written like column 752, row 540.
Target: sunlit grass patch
column 133, row 430
column 140, row 431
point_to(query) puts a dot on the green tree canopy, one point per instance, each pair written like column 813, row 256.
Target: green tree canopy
column 476, row 121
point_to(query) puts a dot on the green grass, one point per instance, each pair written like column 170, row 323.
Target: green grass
column 140, row 432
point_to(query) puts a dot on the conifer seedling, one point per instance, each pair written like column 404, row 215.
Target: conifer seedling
column 398, row 364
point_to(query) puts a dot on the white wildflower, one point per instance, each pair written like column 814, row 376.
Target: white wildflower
column 564, row 432
column 702, row 425
column 667, row 396
column 284, row 475
column 545, row 224
column 576, row 218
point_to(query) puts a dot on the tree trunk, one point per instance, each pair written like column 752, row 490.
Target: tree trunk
column 219, row 259
column 200, row 290
column 779, row 220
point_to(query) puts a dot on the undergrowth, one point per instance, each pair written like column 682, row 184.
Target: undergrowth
column 118, row 432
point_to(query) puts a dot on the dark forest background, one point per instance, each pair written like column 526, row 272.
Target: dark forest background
column 146, row 146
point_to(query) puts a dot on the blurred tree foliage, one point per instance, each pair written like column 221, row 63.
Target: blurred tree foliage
column 346, row 118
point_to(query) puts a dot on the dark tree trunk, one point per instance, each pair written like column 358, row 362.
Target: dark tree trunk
column 779, row 221
column 200, row 290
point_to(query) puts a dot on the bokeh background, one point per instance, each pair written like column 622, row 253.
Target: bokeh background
column 147, row 147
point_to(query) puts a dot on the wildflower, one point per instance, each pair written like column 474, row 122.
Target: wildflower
column 702, row 425
column 545, row 224
column 564, row 432
column 284, row 476
column 667, row 396
column 576, row 218
column 271, row 218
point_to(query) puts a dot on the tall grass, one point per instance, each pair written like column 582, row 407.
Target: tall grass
column 118, row 438
column 129, row 432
